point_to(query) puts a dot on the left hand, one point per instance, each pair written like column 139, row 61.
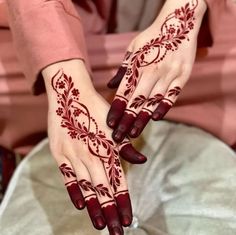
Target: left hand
column 155, row 68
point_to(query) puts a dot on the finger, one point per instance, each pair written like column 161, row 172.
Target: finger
column 154, row 99
column 124, row 92
column 130, row 154
column 134, row 106
column 105, row 196
column 71, row 184
column 116, row 80
column 169, row 100
column 117, row 180
column 83, row 182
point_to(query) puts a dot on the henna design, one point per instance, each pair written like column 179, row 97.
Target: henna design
column 161, row 110
column 102, row 191
column 154, row 100
column 174, row 92
column 77, row 119
column 173, row 32
column 169, row 39
column 138, row 101
column 66, row 171
column 86, row 185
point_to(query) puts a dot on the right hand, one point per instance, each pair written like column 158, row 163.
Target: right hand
column 81, row 143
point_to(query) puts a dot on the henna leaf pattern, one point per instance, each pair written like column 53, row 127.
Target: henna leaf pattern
column 154, row 100
column 77, row 119
column 174, row 92
column 66, row 171
column 86, row 185
column 138, row 101
column 102, row 191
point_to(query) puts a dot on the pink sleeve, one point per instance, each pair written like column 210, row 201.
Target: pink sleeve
column 210, row 22
column 45, row 32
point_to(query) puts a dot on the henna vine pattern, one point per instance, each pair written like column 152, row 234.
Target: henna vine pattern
column 171, row 36
column 77, row 119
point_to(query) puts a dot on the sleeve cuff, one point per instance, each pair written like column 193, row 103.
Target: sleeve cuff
column 46, row 34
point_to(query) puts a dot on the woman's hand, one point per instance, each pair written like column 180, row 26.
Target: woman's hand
column 81, row 143
column 155, row 68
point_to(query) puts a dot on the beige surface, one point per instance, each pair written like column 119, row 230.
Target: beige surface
column 187, row 187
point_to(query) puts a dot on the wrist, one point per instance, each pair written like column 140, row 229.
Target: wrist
column 75, row 69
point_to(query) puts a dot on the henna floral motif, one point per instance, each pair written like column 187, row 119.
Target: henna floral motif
column 83, row 126
column 171, row 36
column 174, row 92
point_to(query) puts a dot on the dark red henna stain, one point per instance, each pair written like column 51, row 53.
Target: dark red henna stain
column 169, row 39
column 161, row 111
column 76, row 195
column 95, row 213
column 115, row 113
column 153, row 52
column 116, row 80
column 113, row 221
column 124, row 125
column 138, row 101
column 131, row 155
column 140, row 123
column 123, row 203
column 152, row 101
column 102, row 190
column 66, row 170
column 77, row 119
column 86, row 185
column 174, row 92
column 72, row 187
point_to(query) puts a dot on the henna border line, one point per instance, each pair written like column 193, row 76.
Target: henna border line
column 128, row 111
column 166, row 99
column 121, row 192
column 91, row 195
column 147, row 110
column 70, row 182
column 121, row 97
column 104, row 203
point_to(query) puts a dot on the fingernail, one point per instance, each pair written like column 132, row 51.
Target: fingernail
column 126, row 220
column 142, row 158
column 118, row 136
column 80, row 204
column 116, row 231
column 111, row 122
column 134, row 131
column 156, row 116
column 99, row 222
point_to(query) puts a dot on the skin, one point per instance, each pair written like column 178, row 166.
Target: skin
column 81, row 144
column 156, row 67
